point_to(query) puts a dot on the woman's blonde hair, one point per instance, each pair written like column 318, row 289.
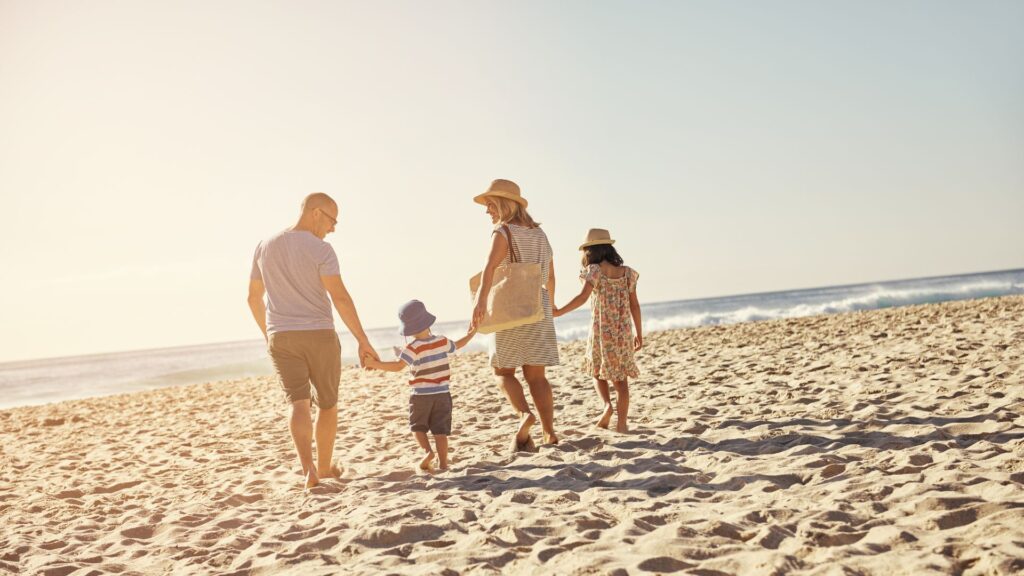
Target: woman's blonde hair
column 509, row 210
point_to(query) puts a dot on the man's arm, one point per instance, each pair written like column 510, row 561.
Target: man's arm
column 256, row 304
column 347, row 310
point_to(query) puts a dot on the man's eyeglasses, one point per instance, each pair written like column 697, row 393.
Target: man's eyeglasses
column 334, row 220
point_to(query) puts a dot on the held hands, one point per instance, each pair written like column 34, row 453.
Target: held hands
column 368, row 363
column 366, row 352
column 556, row 311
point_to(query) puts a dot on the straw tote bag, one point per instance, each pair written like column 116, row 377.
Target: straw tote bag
column 514, row 299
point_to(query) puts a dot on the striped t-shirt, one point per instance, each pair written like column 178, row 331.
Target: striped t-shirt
column 428, row 364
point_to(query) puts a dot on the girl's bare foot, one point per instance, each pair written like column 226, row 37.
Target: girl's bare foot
column 606, row 418
column 427, row 460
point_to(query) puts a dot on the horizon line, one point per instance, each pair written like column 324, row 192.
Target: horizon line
column 9, row 363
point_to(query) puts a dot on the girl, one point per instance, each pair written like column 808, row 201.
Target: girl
column 611, row 288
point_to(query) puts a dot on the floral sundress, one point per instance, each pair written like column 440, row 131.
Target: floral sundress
column 610, row 344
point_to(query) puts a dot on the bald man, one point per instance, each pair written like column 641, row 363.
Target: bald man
column 299, row 274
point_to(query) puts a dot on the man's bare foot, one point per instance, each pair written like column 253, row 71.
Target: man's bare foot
column 606, row 418
column 427, row 461
column 312, row 480
column 621, row 426
column 525, row 423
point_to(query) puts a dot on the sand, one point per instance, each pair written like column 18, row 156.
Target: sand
column 883, row 442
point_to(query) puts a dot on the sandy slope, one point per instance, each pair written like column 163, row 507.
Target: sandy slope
column 875, row 443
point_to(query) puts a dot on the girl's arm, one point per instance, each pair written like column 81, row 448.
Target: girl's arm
column 634, row 310
column 499, row 248
column 575, row 302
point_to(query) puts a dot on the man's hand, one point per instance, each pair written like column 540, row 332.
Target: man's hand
column 367, row 351
column 368, row 362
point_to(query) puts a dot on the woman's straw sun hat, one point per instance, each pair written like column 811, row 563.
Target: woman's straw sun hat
column 502, row 189
column 597, row 236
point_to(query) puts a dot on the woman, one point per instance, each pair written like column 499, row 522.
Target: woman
column 533, row 346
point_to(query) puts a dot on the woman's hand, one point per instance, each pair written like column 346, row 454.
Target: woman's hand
column 638, row 342
column 478, row 315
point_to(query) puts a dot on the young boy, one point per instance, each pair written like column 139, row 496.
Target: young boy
column 430, row 405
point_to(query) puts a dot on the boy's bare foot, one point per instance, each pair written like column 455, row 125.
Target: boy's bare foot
column 621, row 426
column 427, row 461
column 525, row 423
column 606, row 418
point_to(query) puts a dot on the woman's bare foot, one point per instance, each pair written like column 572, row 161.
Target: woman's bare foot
column 606, row 418
column 427, row 461
column 621, row 426
column 333, row 471
column 525, row 423
column 550, row 438
column 312, row 480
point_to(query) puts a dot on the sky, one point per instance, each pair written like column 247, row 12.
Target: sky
column 730, row 147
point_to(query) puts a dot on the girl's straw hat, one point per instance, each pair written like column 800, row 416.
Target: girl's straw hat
column 597, row 236
column 502, row 189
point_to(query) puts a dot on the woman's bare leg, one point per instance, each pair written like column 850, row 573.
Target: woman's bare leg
column 513, row 390
column 543, row 399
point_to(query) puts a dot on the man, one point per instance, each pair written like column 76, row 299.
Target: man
column 298, row 271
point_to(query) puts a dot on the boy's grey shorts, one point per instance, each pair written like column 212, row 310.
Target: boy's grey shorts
column 431, row 412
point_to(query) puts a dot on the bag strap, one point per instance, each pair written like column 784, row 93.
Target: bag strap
column 511, row 244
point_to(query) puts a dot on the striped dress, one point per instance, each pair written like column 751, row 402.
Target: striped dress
column 532, row 344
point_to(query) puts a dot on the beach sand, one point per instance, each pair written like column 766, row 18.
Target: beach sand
column 883, row 442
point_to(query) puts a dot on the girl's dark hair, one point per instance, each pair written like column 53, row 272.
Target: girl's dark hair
column 601, row 253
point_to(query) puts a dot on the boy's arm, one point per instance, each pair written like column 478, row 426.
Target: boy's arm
column 465, row 339
column 575, row 302
column 393, row 366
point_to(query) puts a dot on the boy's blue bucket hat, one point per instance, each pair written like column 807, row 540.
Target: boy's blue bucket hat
column 414, row 318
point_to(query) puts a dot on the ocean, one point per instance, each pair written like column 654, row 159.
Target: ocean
column 53, row 380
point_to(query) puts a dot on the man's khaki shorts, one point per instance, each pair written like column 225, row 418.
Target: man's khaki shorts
column 302, row 357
